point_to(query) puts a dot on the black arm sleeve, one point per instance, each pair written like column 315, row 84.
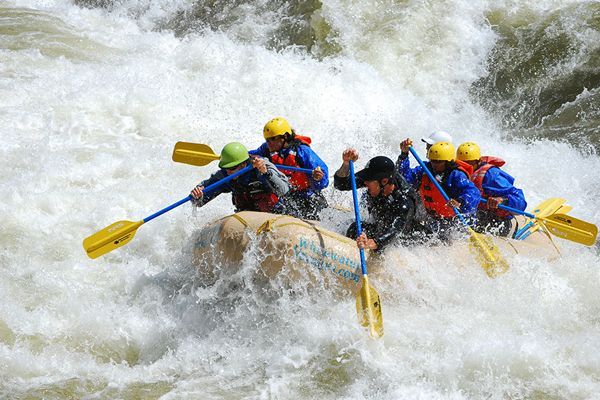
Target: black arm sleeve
column 343, row 183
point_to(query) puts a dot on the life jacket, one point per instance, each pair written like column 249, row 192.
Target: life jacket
column 432, row 199
column 477, row 177
column 299, row 180
column 253, row 197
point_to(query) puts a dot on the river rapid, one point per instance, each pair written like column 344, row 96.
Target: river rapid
column 95, row 93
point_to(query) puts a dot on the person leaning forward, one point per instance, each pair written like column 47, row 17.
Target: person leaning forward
column 454, row 178
column 283, row 146
column 391, row 203
column 260, row 189
column 496, row 186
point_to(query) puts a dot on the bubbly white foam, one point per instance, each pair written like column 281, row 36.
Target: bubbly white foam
column 90, row 109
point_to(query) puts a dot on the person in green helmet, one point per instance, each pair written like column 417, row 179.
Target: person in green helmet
column 260, row 189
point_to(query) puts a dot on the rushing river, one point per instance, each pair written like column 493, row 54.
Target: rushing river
column 95, row 93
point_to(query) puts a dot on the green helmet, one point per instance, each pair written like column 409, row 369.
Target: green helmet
column 233, row 154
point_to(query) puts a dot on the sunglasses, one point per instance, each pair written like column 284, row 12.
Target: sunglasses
column 274, row 139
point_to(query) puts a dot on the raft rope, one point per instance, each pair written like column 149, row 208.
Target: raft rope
column 270, row 225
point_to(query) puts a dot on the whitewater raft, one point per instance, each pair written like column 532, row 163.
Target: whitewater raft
column 301, row 250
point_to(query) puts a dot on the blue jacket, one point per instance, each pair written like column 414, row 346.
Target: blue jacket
column 306, row 157
column 457, row 185
column 498, row 183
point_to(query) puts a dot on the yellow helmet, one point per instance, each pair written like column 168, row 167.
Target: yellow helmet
column 441, row 151
column 276, row 127
column 468, row 151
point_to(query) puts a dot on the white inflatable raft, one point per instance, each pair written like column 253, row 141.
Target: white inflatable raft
column 302, row 250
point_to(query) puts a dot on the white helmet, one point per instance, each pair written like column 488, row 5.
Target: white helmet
column 438, row 136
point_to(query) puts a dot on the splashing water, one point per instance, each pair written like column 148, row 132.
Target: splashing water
column 93, row 96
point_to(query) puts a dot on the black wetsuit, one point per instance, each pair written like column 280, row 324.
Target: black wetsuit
column 396, row 216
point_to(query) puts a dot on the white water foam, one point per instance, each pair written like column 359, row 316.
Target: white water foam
column 90, row 108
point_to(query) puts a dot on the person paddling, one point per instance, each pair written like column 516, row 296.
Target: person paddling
column 403, row 161
column 260, row 189
column 496, row 187
column 454, row 178
column 283, row 146
column 436, row 137
column 391, row 202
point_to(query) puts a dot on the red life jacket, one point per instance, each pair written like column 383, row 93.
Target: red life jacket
column 264, row 202
column 299, row 180
column 253, row 197
column 433, row 200
column 477, row 177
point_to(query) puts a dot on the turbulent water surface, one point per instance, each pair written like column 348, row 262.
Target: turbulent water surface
column 93, row 96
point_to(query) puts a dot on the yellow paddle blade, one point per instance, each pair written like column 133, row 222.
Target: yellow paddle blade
column 570, row 228
column 194, row 153
column 487, row 254
column 368, row 307
column 110, row 238
column 549, row 206
column 545, row 208
column 563, row 209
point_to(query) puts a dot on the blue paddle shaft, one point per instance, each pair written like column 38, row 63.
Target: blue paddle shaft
column 298, row 169
column 363, row 261
column 167, row 209
column 437, row 184
column 524, row 235
column 207, row 189
column 520, row 233
column 512, row 210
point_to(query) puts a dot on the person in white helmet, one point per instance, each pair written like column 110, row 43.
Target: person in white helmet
column 437, row 136
column 403, row 163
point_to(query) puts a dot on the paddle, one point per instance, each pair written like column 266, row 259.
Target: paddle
column 561, row 225
column 533, row 225
column 194, row 154
column 563, row 209
column 544, row 209
column 570, row 228
column 120, row 233
column 487, row 253
column 201, row 154
column 368, row 304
